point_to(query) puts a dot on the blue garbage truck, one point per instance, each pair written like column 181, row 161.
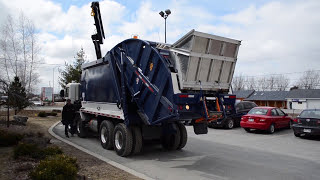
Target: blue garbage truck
column 143, row 90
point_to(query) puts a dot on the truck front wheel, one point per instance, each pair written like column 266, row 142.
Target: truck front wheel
column 122, row 140
column 106, row 134
column 81, row 130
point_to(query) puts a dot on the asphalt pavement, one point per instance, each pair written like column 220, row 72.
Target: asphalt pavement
column 222, row 154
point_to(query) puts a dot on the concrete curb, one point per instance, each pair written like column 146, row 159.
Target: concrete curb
column 115, row 164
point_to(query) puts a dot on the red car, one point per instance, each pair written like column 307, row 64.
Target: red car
column 265, row 118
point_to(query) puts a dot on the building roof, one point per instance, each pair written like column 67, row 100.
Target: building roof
column 268, row 96
column 243, row 93
column 304, row 93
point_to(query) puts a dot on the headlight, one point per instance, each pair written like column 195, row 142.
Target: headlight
column 187, row 107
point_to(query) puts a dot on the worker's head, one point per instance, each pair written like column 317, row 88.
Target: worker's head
column 68, row 101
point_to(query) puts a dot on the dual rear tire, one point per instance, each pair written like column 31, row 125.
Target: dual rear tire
column 123, row 140
column 176, row 140
column 128, row 140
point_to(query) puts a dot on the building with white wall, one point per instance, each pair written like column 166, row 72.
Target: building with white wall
column 303, row 99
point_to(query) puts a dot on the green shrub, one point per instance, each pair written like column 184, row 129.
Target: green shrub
column 42, row 114
column 27, row 150
column 40, row 134
column 33, row 151
column 9, row 138
column 50, row 151
column 55, row 167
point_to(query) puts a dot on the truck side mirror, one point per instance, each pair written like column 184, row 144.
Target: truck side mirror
column 62, row 93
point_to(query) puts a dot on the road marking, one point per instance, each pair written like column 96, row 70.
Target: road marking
column 113, row 163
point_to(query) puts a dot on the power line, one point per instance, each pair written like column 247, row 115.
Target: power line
column 279, row 74
column 38, row 63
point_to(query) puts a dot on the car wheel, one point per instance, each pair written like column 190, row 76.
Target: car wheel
column 247, row 129
column 106, row 134
column 122, row 140
column 230, row 124
column 271, row 129
column 290, row 125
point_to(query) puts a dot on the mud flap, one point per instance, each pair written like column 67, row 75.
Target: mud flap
column 200, row 128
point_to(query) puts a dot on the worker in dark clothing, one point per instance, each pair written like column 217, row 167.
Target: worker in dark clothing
column 67, row 117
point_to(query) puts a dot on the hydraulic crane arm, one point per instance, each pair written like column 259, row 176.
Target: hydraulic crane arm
column 99, row 36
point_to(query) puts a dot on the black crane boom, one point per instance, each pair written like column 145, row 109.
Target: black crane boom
column 99, row 36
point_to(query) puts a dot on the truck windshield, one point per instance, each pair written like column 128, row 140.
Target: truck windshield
column 310, row 114
column 258, row 111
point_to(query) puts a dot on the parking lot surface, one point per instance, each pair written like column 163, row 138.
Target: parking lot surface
column 222, row 154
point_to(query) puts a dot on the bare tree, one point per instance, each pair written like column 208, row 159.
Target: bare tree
column 262, row 84
column 238, row 83
column 309, row 80
column 19, row 48
column 282, row 83
column 250, row 83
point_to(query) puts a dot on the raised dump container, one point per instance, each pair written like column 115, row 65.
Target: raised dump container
column 205, row 61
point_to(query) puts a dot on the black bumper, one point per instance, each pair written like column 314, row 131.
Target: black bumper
column 218, row 123
column 298, row 129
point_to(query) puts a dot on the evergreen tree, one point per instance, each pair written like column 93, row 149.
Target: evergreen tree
column 73, row 71
column 17, row 96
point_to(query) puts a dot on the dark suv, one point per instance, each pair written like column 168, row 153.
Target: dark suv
column 233, row 120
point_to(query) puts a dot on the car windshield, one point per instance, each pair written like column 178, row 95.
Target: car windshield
column 310, row 114
column 259, row 111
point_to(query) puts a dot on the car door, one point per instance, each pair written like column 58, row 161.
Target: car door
column 275, row 118
column 240, row 113
column 283, row 119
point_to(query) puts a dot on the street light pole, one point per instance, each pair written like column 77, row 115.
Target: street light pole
column 165, row 30
column 165, row 15
column 53, row 86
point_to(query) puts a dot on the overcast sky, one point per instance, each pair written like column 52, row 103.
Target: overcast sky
column 277, row 36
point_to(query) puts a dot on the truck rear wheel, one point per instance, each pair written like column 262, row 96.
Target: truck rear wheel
column 81, row 129
column 171, row 141
column 137, row 140
column 183, row 135
column 106, row 134
column 122, row 140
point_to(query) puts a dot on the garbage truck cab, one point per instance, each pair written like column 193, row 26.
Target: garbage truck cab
column 72, row 92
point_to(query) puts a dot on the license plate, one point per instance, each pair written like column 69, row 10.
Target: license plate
column 307, row 130
column 251, row 120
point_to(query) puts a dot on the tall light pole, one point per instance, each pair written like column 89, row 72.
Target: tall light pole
column 165, row 15
column 53, row 82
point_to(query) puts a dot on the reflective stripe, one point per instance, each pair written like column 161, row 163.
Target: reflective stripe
column 102, row 114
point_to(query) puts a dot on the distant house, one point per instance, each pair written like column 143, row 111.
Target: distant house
column 243, row 94
column 269, row 98
column 303, row 99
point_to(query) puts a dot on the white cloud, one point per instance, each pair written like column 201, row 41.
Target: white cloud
column 277, row 37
